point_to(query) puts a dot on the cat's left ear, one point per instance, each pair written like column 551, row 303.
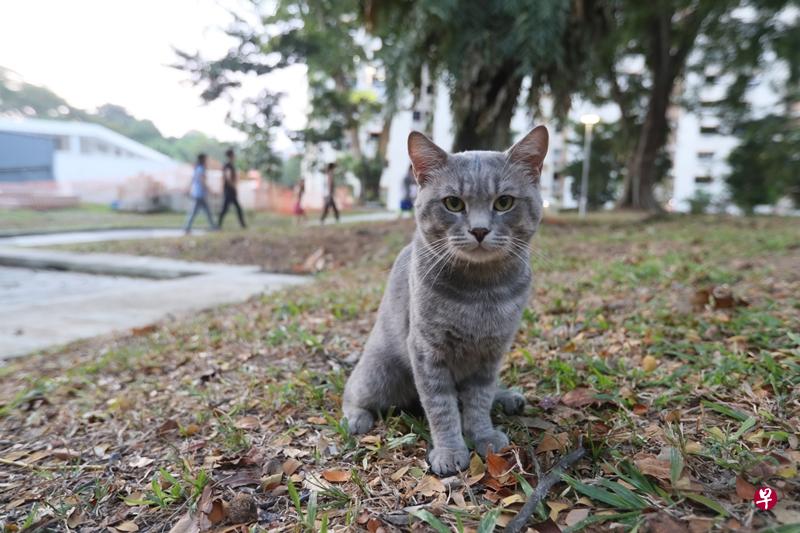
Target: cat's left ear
column 530, row 151
column 425, row 156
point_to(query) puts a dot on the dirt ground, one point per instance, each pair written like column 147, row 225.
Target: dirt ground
column 670, row 350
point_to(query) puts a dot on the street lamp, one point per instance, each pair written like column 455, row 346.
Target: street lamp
column 588, row 121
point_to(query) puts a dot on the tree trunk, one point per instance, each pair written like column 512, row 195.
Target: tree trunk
column 483, row 104
column 641, row 175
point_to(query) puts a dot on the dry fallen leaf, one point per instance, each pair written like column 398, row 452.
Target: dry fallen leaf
column 579, row 397
column 336, row 476
column 552, row 442
column 429, row 486
column 140, row 462
column 575, row 516
column 661, row 522
column 652, row 466
column 248, row 422
column 555, row 508
column 744, row 490
column 649, row 363
column 128, row 526
column 496, row 465
column 290, row 466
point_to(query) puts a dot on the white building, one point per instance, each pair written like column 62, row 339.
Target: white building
column 84, row 160
column 698, row 148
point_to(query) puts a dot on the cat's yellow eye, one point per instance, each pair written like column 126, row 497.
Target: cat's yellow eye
column 503, row 203
column 454, row 204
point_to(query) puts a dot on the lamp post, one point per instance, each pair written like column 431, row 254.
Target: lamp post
column 588, row 121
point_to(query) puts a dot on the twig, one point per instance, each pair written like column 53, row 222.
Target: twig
column 50, row 467
column 519, row 523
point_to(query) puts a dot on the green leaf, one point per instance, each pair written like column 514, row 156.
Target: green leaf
column 526, row 487
column 633, row 500
column 597, row 519
column 488, row 521
column 295, row 497
column 708, row 502
column 600, row 495
column 745, row 427
column 725, row 410
column 427, row 516
column 675, row 465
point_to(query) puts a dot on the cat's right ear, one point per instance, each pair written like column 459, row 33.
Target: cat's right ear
column 425, row 156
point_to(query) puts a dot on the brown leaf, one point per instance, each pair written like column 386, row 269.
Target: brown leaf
column 548, row 526
column 429, row 485
column 744, row 489
column 552, row 442
column 579, row 397
column 271, row 481
column 700, row 525
column 336, row 476
column 555, row 508
column 242, row 477
column 476, row 466
column 76, row 518
column 664, row 523
column 575, row 516
column 652, row 466
column 496, row 465
column 140, row 462
column 66, row 455
column 168, row 426
column 290, row 466
column 128, row 526
column 373, row 525
column 649, row 363
column 248, row 422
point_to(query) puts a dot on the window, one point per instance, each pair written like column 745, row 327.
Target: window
column 709, row 130
column 416, row 115
column 62, row 143
column 705, row 156
column 703, row 180
column 711, row 79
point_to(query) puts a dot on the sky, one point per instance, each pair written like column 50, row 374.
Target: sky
column 92, row 52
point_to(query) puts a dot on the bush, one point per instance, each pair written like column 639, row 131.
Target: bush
column 699, row 203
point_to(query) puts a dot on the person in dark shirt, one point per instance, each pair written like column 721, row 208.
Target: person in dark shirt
column 229, row 189
column 330, row 189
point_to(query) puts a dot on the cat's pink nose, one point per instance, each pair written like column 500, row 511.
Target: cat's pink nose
column 479, row 233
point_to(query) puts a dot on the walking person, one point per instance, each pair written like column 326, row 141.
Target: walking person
column 409, row 193
column 330, row 203
column 199, row 193
column 229, row 189
column 299, row 212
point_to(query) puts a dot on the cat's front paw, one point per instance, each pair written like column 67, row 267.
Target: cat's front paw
column 496, row 439
column 358, row 420
column 448, row 461
column 512, row 402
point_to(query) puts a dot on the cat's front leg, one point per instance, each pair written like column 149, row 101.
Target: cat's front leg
column 437, row 393
column 477, row 394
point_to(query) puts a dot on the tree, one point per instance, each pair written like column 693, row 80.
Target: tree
column 326, row 37
column 766, row 165
column 662, row 36
column 607, row 163
column 260, row 118
column 484, row 50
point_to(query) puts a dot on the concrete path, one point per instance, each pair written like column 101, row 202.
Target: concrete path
column 374, row 216
column 42, row 308
column 77, row 237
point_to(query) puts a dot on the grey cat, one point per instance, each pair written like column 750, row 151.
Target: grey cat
column 455, row 298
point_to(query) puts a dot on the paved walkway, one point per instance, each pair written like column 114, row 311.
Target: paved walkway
column 78, row 237
column 42, row 307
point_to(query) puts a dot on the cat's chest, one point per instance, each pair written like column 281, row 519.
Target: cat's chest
column 471, row 316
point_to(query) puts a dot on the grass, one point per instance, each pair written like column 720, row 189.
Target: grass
column 684, row 399
column 86, row 216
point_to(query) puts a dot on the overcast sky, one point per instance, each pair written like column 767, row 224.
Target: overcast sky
column 93, row 52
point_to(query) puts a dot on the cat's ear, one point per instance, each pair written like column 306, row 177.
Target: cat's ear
column 530, row 151
column 425, row 156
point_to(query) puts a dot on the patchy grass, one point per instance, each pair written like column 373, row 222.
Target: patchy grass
column 86, row 216
column 671, row 349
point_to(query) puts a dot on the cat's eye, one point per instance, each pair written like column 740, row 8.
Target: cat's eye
column 454, row 204
column 503, row 203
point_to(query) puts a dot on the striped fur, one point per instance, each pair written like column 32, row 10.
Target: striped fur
column 453, row 304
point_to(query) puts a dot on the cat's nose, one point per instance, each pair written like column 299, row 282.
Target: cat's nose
column 479, row 233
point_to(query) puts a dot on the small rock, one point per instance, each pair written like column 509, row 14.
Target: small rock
column 242, row 509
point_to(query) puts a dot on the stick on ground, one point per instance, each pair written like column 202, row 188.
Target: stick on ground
column 519, row 523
